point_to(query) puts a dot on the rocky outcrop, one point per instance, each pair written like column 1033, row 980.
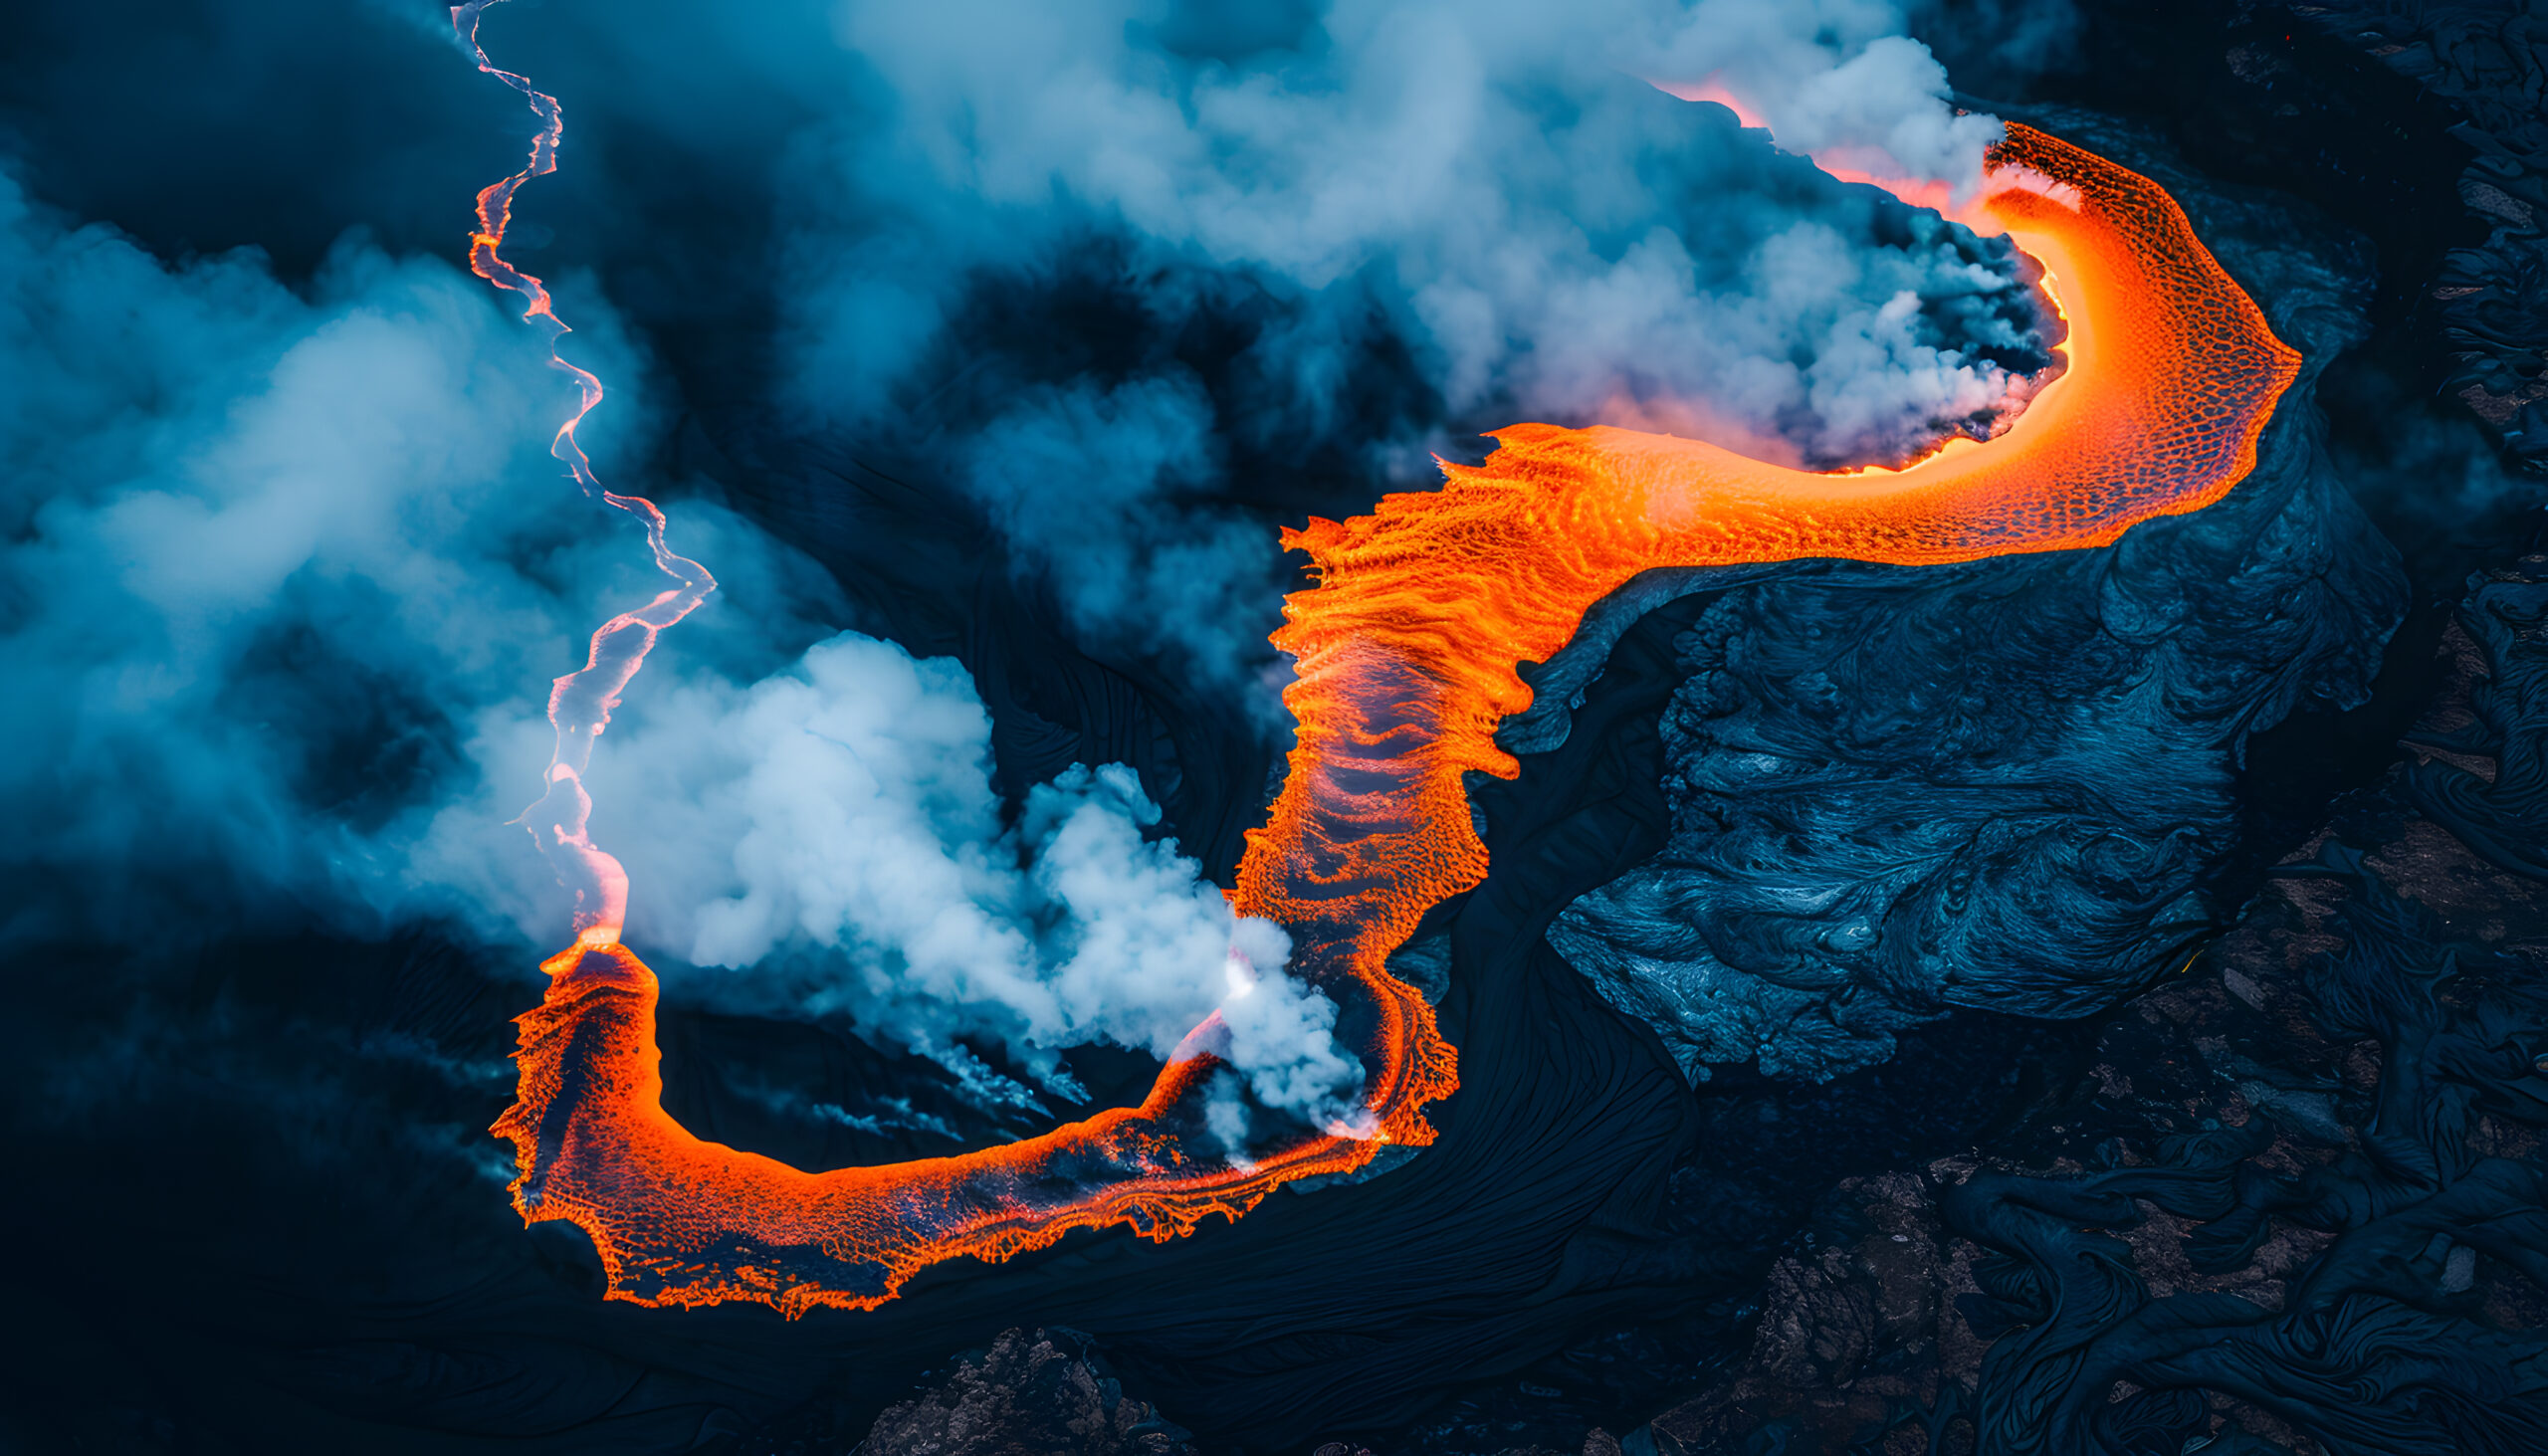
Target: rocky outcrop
column 1030, row 1394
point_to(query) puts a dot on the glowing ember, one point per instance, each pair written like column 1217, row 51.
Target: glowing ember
column 1406, row 653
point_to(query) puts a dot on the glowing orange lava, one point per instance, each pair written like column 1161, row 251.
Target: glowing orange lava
column 1407, row 651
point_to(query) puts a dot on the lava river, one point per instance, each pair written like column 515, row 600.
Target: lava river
column 1407, row 652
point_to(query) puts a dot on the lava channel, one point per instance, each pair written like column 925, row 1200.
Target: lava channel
column 1406, row 653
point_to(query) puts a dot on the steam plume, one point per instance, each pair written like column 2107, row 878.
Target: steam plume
column 286, row 562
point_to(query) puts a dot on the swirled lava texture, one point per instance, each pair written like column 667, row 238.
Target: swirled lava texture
column 1407, row 650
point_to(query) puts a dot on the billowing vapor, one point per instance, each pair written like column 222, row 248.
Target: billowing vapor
column 282, row 581
column 1836, row 79
column 1485, row 190
column 287, row 568
column 865, row 869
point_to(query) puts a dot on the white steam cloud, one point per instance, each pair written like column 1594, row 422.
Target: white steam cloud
column 285, row 572
column 284, row 578
column 1832, row 78
column 1482, row 180
column 870, row 874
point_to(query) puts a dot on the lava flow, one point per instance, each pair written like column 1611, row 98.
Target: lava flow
column 580, row 703
column 1407, row 651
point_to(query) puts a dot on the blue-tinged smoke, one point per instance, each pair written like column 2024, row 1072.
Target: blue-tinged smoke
column 1331, row 240
column 285, row 578
column 287, row 568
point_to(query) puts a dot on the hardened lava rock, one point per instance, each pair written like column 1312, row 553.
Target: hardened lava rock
column 2494, row 797
column 2008, row 785
column 2489, row 62
column 2297, row 1203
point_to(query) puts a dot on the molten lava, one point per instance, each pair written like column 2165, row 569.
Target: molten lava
column 1407, row 651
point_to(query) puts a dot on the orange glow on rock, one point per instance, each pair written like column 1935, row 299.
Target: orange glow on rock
column 1406, row 651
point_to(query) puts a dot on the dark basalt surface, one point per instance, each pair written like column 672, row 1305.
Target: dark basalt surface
column 2293, row 1199
column 2299, row 1198
column 2488, row 63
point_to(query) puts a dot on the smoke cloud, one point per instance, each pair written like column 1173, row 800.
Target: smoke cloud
column 287, row 567
column 1486, row 193
column 283, row 579
column 866, row 871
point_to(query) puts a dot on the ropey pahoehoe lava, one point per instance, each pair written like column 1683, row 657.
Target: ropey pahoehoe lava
column 1406, row 654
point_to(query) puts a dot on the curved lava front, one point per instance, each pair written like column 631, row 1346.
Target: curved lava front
column 1406, row 651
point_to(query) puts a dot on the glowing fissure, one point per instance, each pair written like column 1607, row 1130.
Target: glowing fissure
column 1407, row 652
column 580, row 703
